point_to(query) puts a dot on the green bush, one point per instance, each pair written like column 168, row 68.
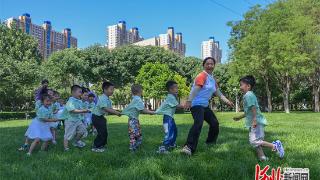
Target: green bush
column 16, row 115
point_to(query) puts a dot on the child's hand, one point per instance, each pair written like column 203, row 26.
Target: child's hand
column 254, row 123
column 187, row 105
column 230, row 103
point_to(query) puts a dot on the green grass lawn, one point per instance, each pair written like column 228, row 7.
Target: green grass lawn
column 231, row 158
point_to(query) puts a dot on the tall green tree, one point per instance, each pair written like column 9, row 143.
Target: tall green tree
column 19, row 64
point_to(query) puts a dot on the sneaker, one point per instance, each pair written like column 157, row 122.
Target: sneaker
column 279, row 148
column 186, row 150
column 162, row 150
column 28, row 154
column 98, row 150
column 66, row 149
column 173, row 146
column 263, row 158
column 24, row 147
column 79, row 144
column 54, row 142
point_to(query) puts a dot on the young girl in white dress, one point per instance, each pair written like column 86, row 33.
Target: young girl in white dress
column 39, row 129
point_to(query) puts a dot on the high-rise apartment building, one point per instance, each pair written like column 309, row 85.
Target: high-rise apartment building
column 211, row 48
column 49, row 41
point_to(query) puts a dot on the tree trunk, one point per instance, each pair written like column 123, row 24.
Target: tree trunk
column 316, row 93
column 269, row 97
column 286, row 92
column 237, row 103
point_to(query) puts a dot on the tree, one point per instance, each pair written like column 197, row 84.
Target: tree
column 153, row 77
column 19, row 64
column 65, row 68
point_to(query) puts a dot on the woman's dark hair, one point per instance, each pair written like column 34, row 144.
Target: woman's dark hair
column 106, row 85
column 169, row 84
column 249, row 79
column 45, row 96
column 92, row 95
column 208, row 58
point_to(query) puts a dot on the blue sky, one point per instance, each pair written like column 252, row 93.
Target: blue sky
column 88, row 20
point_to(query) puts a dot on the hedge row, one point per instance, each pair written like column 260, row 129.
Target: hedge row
column 16, row 115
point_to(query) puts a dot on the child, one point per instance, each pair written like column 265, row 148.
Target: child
column 38, row 104
column 103, row 107
column 168, row 108
column 132, row 111
column 86, row 105
column 55, row 108
column 43, row 92
column 59, row 115
column 74, row 128
column 89, row 116
column 39, row 129
column 255, row 121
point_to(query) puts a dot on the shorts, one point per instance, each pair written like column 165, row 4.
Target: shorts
column 73, row 128
column 256, row 135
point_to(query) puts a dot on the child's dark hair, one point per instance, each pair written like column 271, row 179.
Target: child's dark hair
column 85, row 90
column 249, row 79
column 136, row 88
column 56, row 93
column 91, row 95
column 209, row 58
column 75, row 87
column 44, row 81
column 106, row 85
column 45, row 96
column 169, row 84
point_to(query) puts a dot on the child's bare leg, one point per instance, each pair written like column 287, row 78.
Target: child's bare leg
column 269, row 145
column 53, row 132
column 33, row 145
column 260, row 152
column 66, row 144
column 26, row 142
column 44, row 146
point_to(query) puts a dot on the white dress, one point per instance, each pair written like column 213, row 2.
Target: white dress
column 39, row 129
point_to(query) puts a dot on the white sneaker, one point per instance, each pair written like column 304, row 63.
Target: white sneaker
column 263, row 158
column 279, row 147
column 79, row 144
column 186, row 150
column 54, row 142
column 98, row 150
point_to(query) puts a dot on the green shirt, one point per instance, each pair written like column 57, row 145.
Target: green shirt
column 73, row 104
column 103, row 102
column 44, row 113
column 55, row 106
column 38, row 105
column 168, row 106
column 250, row 100
column 134, row 108
column 91, row 105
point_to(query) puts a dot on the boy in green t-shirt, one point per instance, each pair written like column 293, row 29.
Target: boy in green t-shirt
column 132, row 111
column 255, row 121
column 168, row 108
column 74, row 127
